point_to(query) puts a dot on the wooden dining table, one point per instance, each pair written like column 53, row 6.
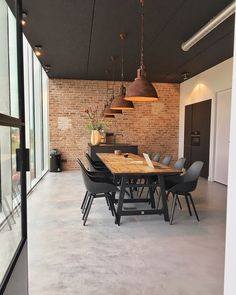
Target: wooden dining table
column 127, row 171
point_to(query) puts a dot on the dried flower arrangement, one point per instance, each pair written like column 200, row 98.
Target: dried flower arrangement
column 96, row 119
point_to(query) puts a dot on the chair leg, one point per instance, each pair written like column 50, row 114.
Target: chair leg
column 178, row 200
column 112, row 206
column 86, row 206
column 88, row 209
column 108, row 204
column 84, row 201
column 173, row 208
column 107, row 196
column 187, row 201
column 158, row 201
column 167, row 195
column 141, row 192
column 194, row 208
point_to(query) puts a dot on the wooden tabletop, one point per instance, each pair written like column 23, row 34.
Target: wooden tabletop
column 134, row 164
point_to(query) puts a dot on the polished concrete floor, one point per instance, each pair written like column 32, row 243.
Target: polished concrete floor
column 143, row 256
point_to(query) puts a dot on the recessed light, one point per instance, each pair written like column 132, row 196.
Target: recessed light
column 24, row 17
column 38, row 50
column 47, row 68
column 185, row 76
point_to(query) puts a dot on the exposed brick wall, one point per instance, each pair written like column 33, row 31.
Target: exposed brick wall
column 152, row 126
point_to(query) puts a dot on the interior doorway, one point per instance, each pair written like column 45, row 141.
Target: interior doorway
column 223, row 107
column 197, row 134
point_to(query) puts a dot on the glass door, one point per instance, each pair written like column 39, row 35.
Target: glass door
column 13, row 155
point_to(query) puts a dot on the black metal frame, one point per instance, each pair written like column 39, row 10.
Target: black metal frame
column 151, row 184
column 19, row 123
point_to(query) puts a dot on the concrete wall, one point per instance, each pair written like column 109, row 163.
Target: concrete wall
column 201, row 87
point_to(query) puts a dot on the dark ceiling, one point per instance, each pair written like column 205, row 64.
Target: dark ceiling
column 79, row 36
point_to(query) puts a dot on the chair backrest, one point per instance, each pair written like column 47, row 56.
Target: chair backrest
column 193, row 171
column 90, row 162
column 188, row 182
column 166, row 160
column 93, row 184
column 156, row 157
column 85, row 175
column 179, row 164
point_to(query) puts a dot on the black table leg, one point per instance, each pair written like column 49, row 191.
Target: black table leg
column 121, row 199
column 152, row 198
column 163, row 197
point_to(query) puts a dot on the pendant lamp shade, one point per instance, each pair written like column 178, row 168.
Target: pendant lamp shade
column 119, row 102
column 109, row 111
column 141, row 89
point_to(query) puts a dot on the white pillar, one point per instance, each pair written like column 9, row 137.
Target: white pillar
column 230, row 254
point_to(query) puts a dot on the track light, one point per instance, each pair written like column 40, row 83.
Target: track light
column 211, row 25
column 38, row 50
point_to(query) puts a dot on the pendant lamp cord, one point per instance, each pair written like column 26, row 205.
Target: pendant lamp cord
column 142, row 33
column 113, row 74
column 122, row 37
column 107, row 99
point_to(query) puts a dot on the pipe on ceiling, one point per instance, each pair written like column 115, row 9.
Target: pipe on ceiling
column 211, row 25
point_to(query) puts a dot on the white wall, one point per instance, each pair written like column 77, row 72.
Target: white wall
column 202, row 87
column 230, row 250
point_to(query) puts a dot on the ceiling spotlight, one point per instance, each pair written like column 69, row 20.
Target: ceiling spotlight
column 23, row 19
column 47, row 68
column 185, row 76
column 38, row 50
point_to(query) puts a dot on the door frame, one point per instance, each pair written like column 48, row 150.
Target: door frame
column 10, row 121
column 213, row 140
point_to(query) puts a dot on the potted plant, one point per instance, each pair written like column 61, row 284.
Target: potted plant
column 95, row 125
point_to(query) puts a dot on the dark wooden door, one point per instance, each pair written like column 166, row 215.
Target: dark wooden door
column 197, row 134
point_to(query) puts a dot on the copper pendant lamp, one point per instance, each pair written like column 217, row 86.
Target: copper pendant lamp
column 108, row 110
column 141, row 89
column 119, row 102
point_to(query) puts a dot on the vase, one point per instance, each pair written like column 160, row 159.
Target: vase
column 95, row 137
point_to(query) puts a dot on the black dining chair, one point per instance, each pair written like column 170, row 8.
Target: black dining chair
column 166, row 160
column 179, row 164
column 187, row 183
column 95, row 165
column 97, row 187
column 172, row 180
column 156, row 157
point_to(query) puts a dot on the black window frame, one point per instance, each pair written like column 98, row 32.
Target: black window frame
column 9, row 121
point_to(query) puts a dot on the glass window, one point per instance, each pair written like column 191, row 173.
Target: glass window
column 38, row 115
column 10, row 196
column 4, row 70
column 45, row 121
column 13, row 64
column 32, row 124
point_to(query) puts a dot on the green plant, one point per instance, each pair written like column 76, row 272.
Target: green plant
column 96, row 119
